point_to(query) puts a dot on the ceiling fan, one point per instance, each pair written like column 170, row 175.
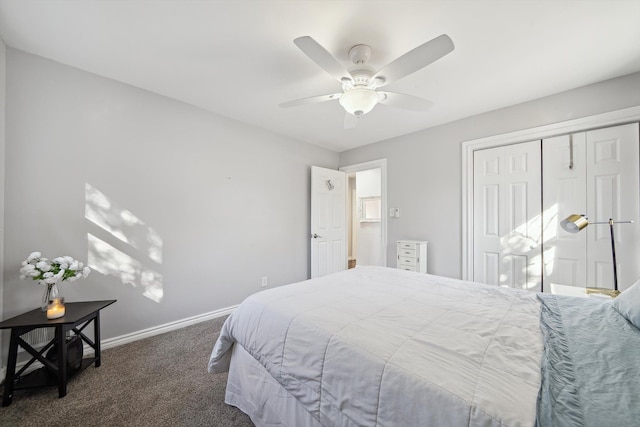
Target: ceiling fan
column 359, row 85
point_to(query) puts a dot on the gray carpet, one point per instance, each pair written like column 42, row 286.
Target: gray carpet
column 158, row 381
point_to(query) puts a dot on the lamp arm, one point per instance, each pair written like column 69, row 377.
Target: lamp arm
column 611, row 221
column 574, row 223
column 613, row 255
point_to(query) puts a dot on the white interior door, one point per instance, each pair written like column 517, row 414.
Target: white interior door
column 603, row 182
column 564, row 159
column 613, row 183
column 328, row 221
column 507, row 222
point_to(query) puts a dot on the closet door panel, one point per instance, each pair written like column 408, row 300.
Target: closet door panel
column 595, row 173
column 491, row 220
column 487, row 216
column 564, row 168
column 523, row 230
column 507, row 222
column 613, row 191
column 569, row 272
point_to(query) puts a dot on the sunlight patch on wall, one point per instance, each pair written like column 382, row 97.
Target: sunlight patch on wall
column 110, row 261
column 122, row 224
column 128, row 228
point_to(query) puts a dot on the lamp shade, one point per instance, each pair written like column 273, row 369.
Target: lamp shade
column 359, row 100
column 574, row 223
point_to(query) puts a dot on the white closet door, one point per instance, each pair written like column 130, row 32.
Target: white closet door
column 564, row 187
column 603, row 184
column 613, row 192
column 507, row 220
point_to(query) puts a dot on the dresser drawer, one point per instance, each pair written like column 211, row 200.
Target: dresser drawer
column 407, row 245
column 404, row 260
column 407, row 267
column 407, row 252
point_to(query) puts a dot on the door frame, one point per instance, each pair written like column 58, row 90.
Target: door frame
column 613, row 118
column 382, row 165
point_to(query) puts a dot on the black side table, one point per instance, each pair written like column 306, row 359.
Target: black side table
column 77, row 316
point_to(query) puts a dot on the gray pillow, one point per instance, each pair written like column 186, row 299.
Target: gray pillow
column 628, row 304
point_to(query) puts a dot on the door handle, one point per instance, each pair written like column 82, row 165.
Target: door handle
column 315, row 236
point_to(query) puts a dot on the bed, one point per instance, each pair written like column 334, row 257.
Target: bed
column 376, row 346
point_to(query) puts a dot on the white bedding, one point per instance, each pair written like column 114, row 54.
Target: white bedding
column 376, row 346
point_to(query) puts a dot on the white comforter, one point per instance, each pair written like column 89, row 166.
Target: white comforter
column 377, row 346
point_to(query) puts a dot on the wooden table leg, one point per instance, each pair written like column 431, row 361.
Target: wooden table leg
column 96, row 335
column 11, row 368
column 61, row 343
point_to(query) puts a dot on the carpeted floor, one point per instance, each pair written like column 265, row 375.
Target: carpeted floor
column 158, row 381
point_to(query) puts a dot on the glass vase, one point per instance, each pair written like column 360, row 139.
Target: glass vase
column 50, row 293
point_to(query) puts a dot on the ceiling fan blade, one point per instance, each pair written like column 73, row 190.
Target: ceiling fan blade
column 404, row 101
column 414, row 60
column 311, row 100
column 320, row 56
column 350, row 121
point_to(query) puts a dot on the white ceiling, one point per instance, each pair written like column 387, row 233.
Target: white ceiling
column 236, row 58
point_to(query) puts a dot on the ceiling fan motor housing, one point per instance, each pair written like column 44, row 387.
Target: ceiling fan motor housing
column 360, row 54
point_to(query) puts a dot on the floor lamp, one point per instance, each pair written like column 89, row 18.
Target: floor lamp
column 575, row 223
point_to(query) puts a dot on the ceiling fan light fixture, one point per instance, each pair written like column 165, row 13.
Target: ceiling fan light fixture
column 359, row 84
column 359, row 101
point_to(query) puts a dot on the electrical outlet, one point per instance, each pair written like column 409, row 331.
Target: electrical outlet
column 265, row 281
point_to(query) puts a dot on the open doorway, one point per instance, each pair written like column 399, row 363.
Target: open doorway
column 366, row 219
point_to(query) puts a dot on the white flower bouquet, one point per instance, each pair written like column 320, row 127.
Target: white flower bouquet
column 50, row 272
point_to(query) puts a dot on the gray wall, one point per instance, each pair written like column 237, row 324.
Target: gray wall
column 224, row 203
column 424, row 168
column 3, row 56
column 229, row 202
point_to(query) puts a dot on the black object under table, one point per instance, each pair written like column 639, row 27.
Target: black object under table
column 77, row 316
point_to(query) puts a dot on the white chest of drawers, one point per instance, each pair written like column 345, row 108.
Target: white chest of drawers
column 412, row 255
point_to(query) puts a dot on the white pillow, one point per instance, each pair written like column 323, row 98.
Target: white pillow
column 628, row 304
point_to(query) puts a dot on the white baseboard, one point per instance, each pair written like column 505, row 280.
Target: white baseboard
column 161, row 329
column 138, row 335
